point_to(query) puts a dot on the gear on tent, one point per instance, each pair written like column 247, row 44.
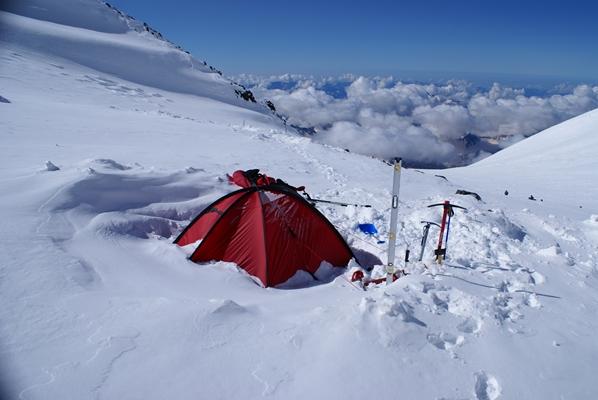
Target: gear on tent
column 267, row 228
column 252, row 177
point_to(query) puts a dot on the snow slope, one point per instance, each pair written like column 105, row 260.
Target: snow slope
column 100, row 170
column 558, row 165
column 98, row 36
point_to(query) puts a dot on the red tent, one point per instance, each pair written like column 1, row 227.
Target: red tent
column 266, row 228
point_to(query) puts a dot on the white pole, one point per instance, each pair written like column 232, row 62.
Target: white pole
column 394, row 214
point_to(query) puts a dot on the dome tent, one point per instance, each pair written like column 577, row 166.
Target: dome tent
column 268, row 229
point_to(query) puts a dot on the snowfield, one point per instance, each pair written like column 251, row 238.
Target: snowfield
column 105, row 161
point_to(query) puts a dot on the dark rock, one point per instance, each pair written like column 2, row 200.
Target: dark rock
column 245, row 95
column 270, row 105
column 468, row 193
column 470, row 140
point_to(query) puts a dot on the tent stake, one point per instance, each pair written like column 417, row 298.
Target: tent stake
column 394, row 211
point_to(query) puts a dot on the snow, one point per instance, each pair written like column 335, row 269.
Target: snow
column 131, row 55
column 557, row 166
column 98, row 302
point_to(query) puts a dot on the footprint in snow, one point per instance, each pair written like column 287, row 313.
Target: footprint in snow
column 531, row 300
column 444, row 340
column 536, row 278
column 470, row 325
column 551, row 251
column 389, row 306
column 486, row 386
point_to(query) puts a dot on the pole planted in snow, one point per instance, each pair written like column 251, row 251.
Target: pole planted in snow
column 394, row 214
column 447, row 213
column 425, row 237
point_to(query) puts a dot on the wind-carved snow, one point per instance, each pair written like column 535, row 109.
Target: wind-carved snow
column 98, row 302
column 50, row 166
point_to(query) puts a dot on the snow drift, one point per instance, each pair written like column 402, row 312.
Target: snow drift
column 99, row 173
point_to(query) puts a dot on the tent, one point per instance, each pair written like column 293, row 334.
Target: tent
column 267, row 228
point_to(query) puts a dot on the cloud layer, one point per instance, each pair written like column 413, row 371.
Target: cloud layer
column 426, row 124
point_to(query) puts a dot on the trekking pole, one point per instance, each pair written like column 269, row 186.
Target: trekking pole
column 447, row 212
column 338, row 203
column 394, row 211
column 425, row 236
column 448, row 227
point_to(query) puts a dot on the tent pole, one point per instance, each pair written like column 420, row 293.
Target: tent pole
column 392, row 235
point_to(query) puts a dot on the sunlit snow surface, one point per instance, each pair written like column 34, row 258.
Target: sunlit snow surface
column 98, row 175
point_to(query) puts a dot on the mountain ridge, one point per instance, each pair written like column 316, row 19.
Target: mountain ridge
column 54, row 27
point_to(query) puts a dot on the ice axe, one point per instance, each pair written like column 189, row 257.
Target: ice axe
column 425, row 236
column 447, row 213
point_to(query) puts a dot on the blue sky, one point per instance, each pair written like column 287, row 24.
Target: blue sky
column 530, row 38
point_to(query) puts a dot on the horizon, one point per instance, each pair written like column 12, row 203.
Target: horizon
column 535, row 85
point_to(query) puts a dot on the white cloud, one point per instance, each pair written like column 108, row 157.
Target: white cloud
column 446, row 121
column 389, row 140
column 420, row 122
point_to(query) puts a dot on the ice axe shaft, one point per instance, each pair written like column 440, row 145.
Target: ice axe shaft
column 425, row 237
column 439, row 253
column 447, row 212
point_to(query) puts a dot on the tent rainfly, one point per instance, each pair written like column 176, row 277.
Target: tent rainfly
column 266, row 228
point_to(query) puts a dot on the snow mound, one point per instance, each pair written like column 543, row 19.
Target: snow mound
column 227, row 308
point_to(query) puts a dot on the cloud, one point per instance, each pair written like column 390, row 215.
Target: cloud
column 388, row 140
column 426, row 124
column 446, row 121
